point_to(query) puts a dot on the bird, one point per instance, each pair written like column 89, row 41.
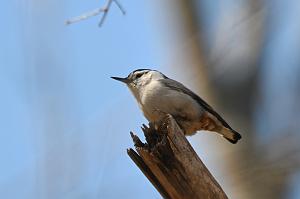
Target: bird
column 158, row 95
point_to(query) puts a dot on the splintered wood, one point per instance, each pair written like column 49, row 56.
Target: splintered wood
column 170, row 163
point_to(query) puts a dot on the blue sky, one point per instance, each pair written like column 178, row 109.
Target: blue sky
column 65, row 123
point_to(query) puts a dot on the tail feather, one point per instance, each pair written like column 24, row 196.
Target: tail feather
column 230, row 135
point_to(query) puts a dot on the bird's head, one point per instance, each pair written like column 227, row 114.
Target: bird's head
column 139, row 78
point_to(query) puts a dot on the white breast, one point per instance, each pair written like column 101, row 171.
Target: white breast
column 156, row 100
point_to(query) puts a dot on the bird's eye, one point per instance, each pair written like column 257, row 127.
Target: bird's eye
column 139, row 75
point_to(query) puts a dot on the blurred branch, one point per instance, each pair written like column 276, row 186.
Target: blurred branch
column 192, row 34
column 269, row 164
column 170, row 163
column 96, row 12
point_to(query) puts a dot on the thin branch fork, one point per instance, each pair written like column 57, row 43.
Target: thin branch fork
column 170, row 163
column 96, row 12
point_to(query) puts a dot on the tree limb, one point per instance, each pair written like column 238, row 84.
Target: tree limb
column 170, row 163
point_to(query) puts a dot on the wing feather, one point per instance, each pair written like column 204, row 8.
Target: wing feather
column 172, row 84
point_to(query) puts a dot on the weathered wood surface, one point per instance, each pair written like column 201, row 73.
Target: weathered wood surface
column 170, row 163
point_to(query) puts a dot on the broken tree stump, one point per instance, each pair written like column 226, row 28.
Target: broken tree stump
column 170, row 163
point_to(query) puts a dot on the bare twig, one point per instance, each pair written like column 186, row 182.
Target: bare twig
column 85, row 16
column 120, row 7
column 96, row 12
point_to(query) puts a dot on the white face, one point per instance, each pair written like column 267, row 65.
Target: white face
column 138, row 79
column 142, row 77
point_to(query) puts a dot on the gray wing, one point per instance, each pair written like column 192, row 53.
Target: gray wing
column 172, row 84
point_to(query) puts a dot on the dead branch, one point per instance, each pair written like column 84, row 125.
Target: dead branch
column 170, row 163
column 96, row 12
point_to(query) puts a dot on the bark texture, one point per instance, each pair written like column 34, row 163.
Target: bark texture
column 170, row 163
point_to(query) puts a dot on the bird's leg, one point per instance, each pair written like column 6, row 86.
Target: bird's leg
column 159, row 111
column 162, row 117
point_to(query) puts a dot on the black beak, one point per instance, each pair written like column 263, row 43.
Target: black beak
column 124, row 80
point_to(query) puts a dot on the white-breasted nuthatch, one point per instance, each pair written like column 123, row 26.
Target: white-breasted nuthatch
column 157, row 95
